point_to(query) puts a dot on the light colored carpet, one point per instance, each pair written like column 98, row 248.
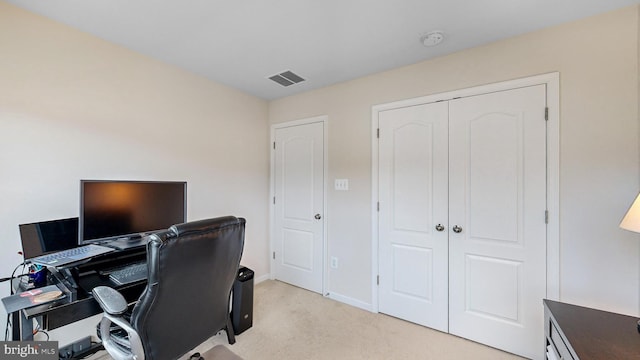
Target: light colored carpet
column 291, row 323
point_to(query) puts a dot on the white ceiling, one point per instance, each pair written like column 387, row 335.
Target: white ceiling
column 242, row 42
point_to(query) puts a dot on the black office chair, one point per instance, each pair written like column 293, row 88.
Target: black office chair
column 191, row 271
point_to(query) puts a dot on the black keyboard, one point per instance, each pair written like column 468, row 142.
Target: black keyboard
column 129, row 274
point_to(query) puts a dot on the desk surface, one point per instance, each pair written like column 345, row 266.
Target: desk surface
column 597, row 334
column 66, row 311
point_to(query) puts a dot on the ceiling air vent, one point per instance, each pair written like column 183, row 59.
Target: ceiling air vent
column 286, row 78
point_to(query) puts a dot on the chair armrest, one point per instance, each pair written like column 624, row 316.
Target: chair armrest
column 110, row 300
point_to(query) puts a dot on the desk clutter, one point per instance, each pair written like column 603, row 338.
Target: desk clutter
column 58, row 296
column 30, row 298
column 52, row 246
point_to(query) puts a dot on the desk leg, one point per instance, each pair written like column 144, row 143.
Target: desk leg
column 25, row 326
column 15, row 326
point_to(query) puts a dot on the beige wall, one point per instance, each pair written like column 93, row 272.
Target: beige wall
column 75, row 107
column 598, row 63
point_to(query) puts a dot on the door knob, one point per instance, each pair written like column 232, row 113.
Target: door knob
column 439, row 227
column 457, row 229
column 318, row 217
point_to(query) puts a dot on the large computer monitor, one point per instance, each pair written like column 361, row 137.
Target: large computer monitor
column 118, row 209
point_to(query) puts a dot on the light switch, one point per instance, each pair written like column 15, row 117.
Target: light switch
column 342, row 184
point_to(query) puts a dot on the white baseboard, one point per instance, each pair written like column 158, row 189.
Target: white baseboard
column 351, row 301
column 333, row 296
column 261, row 278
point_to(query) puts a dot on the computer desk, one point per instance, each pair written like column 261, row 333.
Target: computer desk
column 81, row 305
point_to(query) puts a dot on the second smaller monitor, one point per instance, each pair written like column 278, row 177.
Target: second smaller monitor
column 48, row 236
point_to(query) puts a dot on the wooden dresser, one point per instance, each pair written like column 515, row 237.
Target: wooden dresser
column 576, row 332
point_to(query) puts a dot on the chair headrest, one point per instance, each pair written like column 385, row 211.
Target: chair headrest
column 204, row 225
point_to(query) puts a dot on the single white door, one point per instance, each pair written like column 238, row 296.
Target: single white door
column 299, row 205
column 413, row 214
column 497, row 203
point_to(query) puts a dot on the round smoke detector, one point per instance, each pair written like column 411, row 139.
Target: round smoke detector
column 432, row 38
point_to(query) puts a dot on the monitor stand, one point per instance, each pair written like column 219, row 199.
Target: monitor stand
column 127, row 243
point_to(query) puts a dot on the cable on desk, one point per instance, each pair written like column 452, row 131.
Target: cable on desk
column 11, row 278
column 13, row 273
column 38, row 329
column 6, row 329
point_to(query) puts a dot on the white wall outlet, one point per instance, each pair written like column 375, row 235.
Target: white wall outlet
column 341, row 184
column 334, row 262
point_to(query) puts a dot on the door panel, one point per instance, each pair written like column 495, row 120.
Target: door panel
column 413, row 200
column 481, row 294
column 297, row 249
column 494, row 143
column 497, row 196
column 299, row 196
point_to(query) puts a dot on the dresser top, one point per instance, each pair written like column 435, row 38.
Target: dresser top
column 596, row 334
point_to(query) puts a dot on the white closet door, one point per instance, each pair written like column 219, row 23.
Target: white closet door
column 413, row 201
column 497, row 269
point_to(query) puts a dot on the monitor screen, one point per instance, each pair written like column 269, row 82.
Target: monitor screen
column 48, row 236
column 127, row 209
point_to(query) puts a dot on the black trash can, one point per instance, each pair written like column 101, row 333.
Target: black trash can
column 242, row 307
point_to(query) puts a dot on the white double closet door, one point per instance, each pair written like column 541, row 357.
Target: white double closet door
column 462, row 233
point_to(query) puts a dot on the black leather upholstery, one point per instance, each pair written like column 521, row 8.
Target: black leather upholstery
column 191, row 271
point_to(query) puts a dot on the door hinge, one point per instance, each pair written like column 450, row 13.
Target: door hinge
column 274, row 145
column 378, row 133
column 546, row 114
column 378, row 280
column 378, row 206
column 274, row 200
column 546, row 216
column 274, row 255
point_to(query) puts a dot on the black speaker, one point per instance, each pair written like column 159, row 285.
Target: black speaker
column 242, row 306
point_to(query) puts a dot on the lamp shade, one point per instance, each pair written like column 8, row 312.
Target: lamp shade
column 631, row 220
